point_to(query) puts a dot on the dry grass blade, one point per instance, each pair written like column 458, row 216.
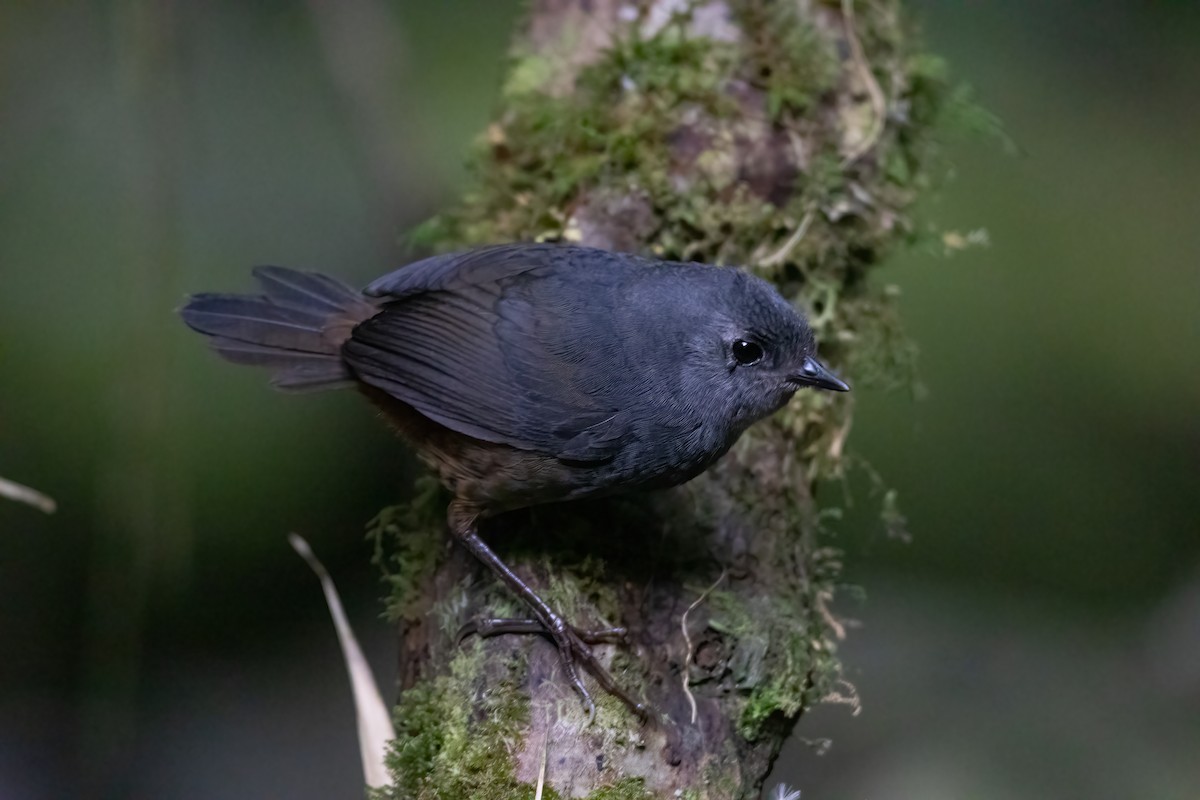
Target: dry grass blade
column 31, row 497
column 374, row 722
column 541, row 784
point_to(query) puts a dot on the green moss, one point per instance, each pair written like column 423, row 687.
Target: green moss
column 580, row 590
column 785, row 57
column 820, row 239
column 624, row 789
column 780, row 651
column 408, row 539
column 454, row 734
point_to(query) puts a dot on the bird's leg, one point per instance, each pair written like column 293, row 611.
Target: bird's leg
column 572, row 647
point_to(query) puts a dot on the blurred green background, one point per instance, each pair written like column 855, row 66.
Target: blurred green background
column 1040, row 635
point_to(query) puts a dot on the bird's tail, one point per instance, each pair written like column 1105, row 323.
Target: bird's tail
column 295, row 329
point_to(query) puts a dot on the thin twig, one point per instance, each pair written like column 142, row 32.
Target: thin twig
column 848, row 698
column 878, row 101
column 687, row 660
column 786, row 250
column 836, row 625
column 23, row 494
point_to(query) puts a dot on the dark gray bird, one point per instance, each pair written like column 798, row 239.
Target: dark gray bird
column 535, row 373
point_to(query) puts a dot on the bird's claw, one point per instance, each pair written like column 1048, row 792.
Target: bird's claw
column 573, row 648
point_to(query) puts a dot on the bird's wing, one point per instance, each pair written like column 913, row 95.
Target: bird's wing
column 471, row 342
column 452, row 271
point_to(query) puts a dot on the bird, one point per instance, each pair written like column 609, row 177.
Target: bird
column 533, row 373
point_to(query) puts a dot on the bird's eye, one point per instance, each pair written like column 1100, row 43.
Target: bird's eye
column 747, row 353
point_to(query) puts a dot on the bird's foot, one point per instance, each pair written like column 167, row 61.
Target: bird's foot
column 572, row 643
column 573, row 649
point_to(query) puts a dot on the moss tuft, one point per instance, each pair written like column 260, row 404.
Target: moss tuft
column 786, row 57
column 408, row 539
column 454, row 734
column 780, row 652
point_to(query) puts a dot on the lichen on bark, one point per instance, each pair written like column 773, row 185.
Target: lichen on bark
column 789, row 138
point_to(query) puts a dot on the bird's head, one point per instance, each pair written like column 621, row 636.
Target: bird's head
column 765, row 349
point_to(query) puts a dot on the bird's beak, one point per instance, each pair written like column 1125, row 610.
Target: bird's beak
column 814, row 373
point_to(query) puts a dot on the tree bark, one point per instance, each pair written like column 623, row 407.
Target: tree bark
column 787, row 137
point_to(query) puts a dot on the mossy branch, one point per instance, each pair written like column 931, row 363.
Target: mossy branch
column 791, row 138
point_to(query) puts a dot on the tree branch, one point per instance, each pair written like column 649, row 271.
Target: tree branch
column 710, row 131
